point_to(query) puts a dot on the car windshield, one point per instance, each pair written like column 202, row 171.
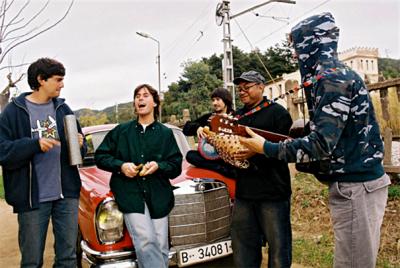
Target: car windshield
column 93, row 141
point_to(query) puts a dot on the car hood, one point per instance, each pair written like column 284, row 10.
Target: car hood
column 95, row 180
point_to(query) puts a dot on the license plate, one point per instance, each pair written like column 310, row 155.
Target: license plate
column 204, row 253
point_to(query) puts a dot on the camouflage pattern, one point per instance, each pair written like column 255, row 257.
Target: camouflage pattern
column 344, row 130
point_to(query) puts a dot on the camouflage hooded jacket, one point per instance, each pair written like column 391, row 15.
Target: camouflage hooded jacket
column 344, row 131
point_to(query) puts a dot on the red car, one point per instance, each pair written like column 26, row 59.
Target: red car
column 199, row 224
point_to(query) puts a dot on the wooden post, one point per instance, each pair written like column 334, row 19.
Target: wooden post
column 387, row 160
column 292, row 107
column 385, row 103
column 186, row 115
column 173, row 120
column 185, row 118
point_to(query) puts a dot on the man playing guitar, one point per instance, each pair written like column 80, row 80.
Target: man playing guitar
column 262, row 203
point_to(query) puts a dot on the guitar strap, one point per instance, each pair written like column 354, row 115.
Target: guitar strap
column 308, row 83
column 265, row 103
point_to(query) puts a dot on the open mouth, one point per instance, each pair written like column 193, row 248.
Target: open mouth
column 141, row 105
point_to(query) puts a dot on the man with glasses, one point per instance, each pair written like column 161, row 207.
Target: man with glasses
column 262, row 203
column 343, row 149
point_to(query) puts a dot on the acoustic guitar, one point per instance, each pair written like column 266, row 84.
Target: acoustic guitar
column 230, row 125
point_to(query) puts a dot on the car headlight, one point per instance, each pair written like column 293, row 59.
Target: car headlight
column 109, row 222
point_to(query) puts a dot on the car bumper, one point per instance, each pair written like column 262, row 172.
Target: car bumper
column 118, row 259
column 122, row 259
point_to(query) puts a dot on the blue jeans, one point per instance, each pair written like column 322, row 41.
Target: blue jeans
column 256, row 221
column 33, row 230
column 150, row 238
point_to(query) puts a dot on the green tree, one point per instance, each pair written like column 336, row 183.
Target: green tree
column 192, row 91
column 390, row 68
column 277, row 60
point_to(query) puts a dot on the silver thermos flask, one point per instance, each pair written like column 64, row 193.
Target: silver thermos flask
column 71, row 134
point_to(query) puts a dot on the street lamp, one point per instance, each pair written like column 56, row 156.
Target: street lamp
column 145, row 35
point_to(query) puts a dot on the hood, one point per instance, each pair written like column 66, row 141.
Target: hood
column 315, row 42
column 20, row 100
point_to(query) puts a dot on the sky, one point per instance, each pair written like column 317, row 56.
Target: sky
column 105, row 59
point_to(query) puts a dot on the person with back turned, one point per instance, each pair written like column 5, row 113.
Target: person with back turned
column 344, row 148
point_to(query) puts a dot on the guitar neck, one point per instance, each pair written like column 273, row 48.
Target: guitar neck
column 270, row 136
column 222, row 124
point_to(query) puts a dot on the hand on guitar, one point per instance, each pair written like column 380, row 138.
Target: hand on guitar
column 244, row 154
column 201, row 133
column 255, row 143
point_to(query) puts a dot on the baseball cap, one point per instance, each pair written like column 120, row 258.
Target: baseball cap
column 250, row 76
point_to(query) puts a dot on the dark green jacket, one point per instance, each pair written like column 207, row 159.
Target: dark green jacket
column 129, row 143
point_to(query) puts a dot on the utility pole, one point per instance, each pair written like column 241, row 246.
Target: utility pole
column 222, row 17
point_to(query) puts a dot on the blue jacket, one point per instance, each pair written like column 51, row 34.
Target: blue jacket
column 17, row 148
column 344, row 130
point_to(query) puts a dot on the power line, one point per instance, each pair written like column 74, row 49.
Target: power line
column 183, row 34
column 253, row 22
column 280, row 28
column 257, row 55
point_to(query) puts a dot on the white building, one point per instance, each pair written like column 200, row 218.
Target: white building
column 363, row 60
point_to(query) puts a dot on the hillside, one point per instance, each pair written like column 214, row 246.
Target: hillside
column 88, row 117
column 390, row 68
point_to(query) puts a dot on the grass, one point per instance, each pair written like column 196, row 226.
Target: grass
column 313, row 253
column 313, row 241
column 394, row 192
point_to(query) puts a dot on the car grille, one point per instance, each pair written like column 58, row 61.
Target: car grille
column 200, row 217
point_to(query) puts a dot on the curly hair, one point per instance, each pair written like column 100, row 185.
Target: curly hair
column 43, row 68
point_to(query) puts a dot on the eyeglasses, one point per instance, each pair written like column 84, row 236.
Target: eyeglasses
column 245, row 88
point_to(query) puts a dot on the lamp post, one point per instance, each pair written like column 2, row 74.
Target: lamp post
column 145, row 35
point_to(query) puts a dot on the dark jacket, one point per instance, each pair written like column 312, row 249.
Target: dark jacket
column 344, row 130
column 266, row 178
column 17, row 148
column 129, row 143
column 190, row 127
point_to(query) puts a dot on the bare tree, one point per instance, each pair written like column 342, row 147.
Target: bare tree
column 17, row 28
column 5, row 94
